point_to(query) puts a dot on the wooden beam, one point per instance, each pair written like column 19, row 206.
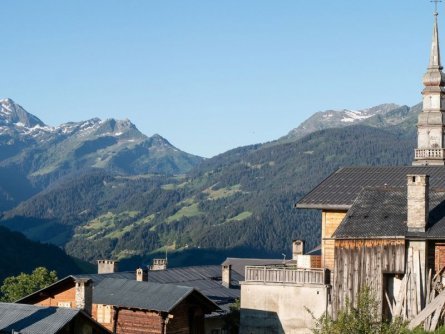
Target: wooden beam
column 428, row 310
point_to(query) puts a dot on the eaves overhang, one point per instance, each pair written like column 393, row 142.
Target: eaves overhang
column 322, row 206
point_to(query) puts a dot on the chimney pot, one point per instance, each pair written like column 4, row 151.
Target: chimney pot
column 417, row 202
column 84, row 294
column 107, row 266
column 141, row 275
column 159, row 264
column 226, row 276
column 297, row 248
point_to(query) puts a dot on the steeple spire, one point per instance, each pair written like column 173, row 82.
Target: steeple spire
column 431, row 125
column 435, row 51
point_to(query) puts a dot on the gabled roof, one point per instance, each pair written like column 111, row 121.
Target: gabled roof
column 30, row 319
column 381, row 212
column 205, row 279
column 340, row 189
column 60, row 285
column 146, row 295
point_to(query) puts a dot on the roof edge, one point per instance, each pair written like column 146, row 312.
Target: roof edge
column 322, row 206
column 35, row 293
column 200, row 295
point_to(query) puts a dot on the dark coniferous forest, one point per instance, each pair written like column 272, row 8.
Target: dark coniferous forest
column 239, row 203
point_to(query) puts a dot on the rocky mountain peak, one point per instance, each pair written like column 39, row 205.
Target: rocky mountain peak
column 339, row 118
column 12, row 113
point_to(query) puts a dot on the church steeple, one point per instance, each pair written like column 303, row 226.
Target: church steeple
column 431, row 125
column 435, row 51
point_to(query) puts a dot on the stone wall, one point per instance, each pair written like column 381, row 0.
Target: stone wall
column 276, row 308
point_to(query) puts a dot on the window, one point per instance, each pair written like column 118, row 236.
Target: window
column 103, row 314
column 64, row 304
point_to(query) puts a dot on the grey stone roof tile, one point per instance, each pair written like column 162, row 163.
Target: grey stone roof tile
column 382, row 212
column 30, row 319
column 144, row 295
column 340, row 189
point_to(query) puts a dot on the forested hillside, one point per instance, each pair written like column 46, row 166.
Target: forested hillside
column 34, row 155
column 22, row 255
column 238, row 202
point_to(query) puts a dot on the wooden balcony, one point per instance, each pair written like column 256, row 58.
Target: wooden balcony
column 287, row 274
column 424, row 153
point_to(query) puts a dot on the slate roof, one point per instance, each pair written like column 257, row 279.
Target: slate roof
column 205, row 279
column 382, row 212
column 145, row 295
column 340, row 189
column 29, row 319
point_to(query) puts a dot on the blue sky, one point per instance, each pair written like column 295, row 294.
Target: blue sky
column 211, row 75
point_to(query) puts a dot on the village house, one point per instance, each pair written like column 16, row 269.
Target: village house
column 128, row 306
column 381, row 227
column 30, row 319
column 210, row 298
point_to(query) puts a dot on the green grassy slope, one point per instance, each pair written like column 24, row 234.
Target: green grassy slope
column 240, row 200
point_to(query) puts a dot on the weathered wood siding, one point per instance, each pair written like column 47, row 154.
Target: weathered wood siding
column 363, row 262
column 329, row 222
column 138, row 322
column 187, row 318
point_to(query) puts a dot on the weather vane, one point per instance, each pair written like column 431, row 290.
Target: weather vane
column 436, row 3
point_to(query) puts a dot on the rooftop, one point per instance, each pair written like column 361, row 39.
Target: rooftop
column 30, row 319
column 382, row 212
column 145, row 295
column 339, row 190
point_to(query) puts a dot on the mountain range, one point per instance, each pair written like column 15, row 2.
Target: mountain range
column 34, row 155
column 381, row 116
column 239, row 203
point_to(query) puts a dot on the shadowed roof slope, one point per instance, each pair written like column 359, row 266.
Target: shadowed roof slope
column 382, row 212
column 340, row 189
column 30, row 319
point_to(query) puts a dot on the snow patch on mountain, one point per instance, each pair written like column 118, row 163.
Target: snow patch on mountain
column 337, row 118
column 351, row 116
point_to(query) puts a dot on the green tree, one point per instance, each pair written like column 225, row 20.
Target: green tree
column 365, row 318
column 16, row 287
column 232, row 319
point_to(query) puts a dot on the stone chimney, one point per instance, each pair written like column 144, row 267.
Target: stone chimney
column 159, row 264
column 84, row 294
column 297, row 248
column 418, row 202
column 107, row 266
column 226, row 276
column 141, row 275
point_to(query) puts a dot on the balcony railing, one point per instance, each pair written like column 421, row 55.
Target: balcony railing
column 429, row 153
column 286, row 274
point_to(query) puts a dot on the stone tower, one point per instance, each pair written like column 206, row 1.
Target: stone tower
column 431, row 125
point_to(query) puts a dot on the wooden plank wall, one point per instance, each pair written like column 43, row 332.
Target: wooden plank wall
column 330, row 220
column 363, row 262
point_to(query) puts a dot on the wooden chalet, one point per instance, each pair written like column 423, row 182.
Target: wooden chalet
column 366, row 237
column 130, row 306
column 384, row 227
